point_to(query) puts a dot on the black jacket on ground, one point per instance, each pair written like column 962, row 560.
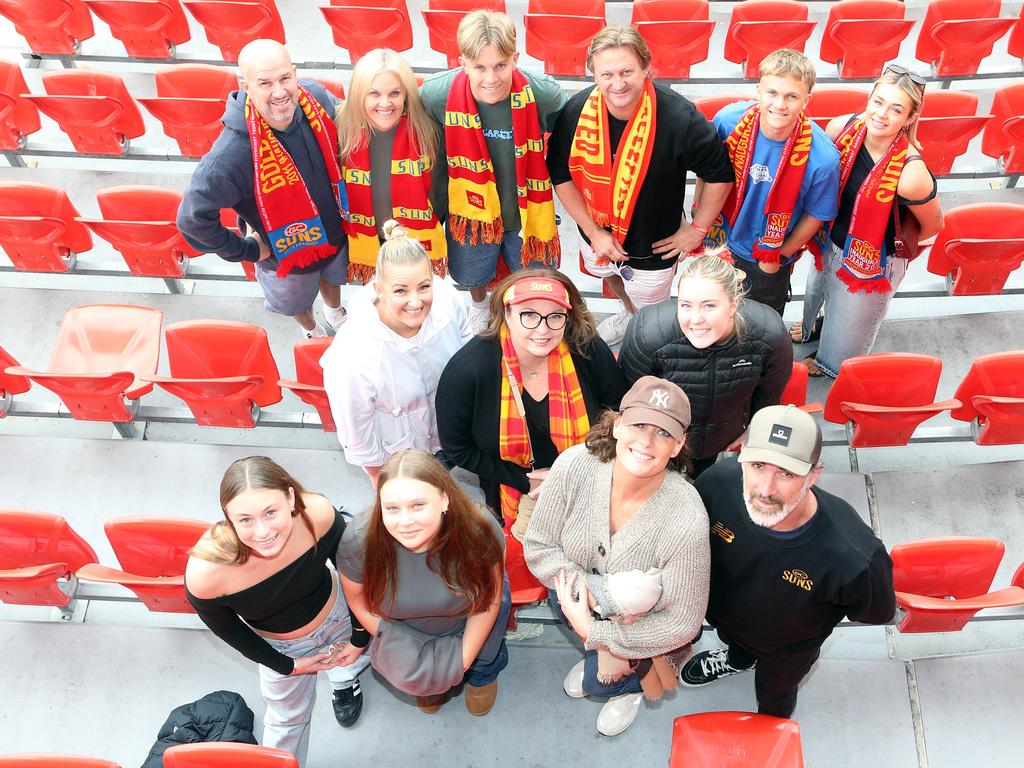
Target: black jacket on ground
column 726, row 383
column 218, row 716
column 469, row 408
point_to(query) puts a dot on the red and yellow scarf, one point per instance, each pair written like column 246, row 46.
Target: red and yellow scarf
column 474, row 209
column 781, row 200
column 611, row 188
column 567, row 414
column 296, row 233
column 410, row 189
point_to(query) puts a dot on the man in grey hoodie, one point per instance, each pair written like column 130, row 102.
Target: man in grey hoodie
column 225, row 178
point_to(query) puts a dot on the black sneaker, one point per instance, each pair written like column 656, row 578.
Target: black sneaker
column 348, row 704
column 706, row 667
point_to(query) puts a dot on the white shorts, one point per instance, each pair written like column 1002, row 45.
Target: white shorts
column 646, row 286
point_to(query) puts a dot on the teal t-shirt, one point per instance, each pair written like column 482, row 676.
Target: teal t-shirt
column 497, row 124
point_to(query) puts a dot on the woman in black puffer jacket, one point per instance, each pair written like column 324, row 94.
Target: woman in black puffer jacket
column 731, row 357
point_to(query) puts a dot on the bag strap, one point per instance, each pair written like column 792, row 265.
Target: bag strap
column 518, row 397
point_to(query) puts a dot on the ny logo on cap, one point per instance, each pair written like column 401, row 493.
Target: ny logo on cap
column 659, row 398
column 780, row 435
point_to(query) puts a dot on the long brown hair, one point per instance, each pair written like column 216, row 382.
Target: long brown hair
column 221, row 543
column 601, row 443
column 464, row 553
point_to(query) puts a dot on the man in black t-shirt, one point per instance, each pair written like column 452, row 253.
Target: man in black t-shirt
column 788, row 561
column 618, row 157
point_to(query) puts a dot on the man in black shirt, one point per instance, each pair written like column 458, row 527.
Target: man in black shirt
column 788, row 561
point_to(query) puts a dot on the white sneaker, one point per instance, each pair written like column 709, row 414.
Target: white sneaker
column 335, row 316
column 618, row 713
column 479, row 316
column 613, row 329
column 573, row 683
column 317, row 332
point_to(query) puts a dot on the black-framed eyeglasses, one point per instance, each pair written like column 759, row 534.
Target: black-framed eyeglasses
column 555, row 320
column 896, row 69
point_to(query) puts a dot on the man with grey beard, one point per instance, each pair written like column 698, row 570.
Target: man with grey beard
column 789, row 561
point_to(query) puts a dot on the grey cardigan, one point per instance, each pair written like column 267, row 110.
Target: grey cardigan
column 570, row 529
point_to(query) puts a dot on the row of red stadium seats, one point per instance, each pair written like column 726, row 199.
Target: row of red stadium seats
column 859, row 35
column 200, row 755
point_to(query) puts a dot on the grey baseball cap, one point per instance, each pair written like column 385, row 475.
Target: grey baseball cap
column 785, row 436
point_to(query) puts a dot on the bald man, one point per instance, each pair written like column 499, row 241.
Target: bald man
column 291, row 219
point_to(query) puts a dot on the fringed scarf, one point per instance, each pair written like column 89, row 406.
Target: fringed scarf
column 410, row 189
column 781, row 200
column 474, row 209
column 567, row 413
column 610, row 187
column 289, row 215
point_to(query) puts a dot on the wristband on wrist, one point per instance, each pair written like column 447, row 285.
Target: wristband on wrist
column 699, row 228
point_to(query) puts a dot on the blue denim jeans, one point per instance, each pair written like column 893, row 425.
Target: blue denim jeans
column 493, row 656
column 852, row 319
column 591, row 685
column 473, row 266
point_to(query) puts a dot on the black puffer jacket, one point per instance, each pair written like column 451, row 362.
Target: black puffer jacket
column 218, row 716
column 726, row 382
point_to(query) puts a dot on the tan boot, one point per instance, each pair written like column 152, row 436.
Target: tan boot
column 430, row 704
column 480, row 699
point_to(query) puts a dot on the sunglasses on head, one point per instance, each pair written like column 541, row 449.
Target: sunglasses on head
column 896, row 69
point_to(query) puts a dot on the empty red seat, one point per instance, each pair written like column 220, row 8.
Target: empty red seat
column 102, row 353
column 676, row 31
column 992, row 396
column 979, row 246
column 563, row 39
column 152, row 552
column 758, row 27
column 149, row 29
column 190, row 103
column 829, row 101
column 139, row 221
column 1015, row 45
column 359, row 26
column 52, row 760
column 948, row 122
column 222, row 370
column 1004, row 134
column 333, row 86
column 885, row 396
column 18, row 116
column 709, row 106
column 10, row 384
column 525, row 587
column 957, row 34
column 795, row 392
column 226, row 754
column 735, row 740
column 941, row 583
column 93, row 108
column 38, row 229
column 442, row 18
column 37, row 550
column 309, row 375
column 230, row 24
column 50, row 26
column 861, row 35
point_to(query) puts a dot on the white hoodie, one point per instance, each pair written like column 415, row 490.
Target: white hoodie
column 381, row 386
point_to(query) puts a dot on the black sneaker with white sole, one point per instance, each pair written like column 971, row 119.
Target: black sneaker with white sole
column 348, row 704
column 706, row 667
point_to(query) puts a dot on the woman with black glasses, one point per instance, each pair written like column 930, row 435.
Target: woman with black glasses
column 518, row 395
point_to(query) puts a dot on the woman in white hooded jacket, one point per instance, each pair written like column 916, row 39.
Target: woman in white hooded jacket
column 381, row 370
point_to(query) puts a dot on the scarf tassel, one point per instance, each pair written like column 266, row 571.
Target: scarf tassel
column 306, row 257
column 474, row 232
column 547, row 251
column 360, row 273
column 856, row 285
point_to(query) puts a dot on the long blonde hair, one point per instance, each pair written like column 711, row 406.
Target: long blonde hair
column 352, row 120
column 913, row 91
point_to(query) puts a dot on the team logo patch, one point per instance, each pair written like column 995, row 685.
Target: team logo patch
column 475, row 199
column 294, row 229
column 798, row 578
column 780, row 435
column 723, row 533
column 659, row 398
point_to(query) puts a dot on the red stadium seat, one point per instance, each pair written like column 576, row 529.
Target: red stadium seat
column 10, row 384
column 152, row 552
column 51, row 760
column 18, row 116
column 149, row 29
column 795, row 392
column 1015, row 45
column 885, row 395
column 333, row 86
column 442, row 18
column 225, row 754
column 957, row 34
column 525, row 587
column 992, row 396
column 359, row 26
column 929, row 572
column 735, row 740
column 1004, row 134
column 709, row 106
column 979, row 246
column 139, row 221
column 676, row 31
column 230, row 24
column 93, row 108
column 861, row 35
column 758, row 27
column 948, row 122
column 38, row 228
column 829, row 101
column 50, row 26
column 102, row 354
column 309, row 383
column 189, row 103
column 564, row 40
column 221, row 369
column 37, row 549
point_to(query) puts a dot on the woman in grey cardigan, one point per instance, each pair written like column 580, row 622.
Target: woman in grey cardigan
column 620, row 538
